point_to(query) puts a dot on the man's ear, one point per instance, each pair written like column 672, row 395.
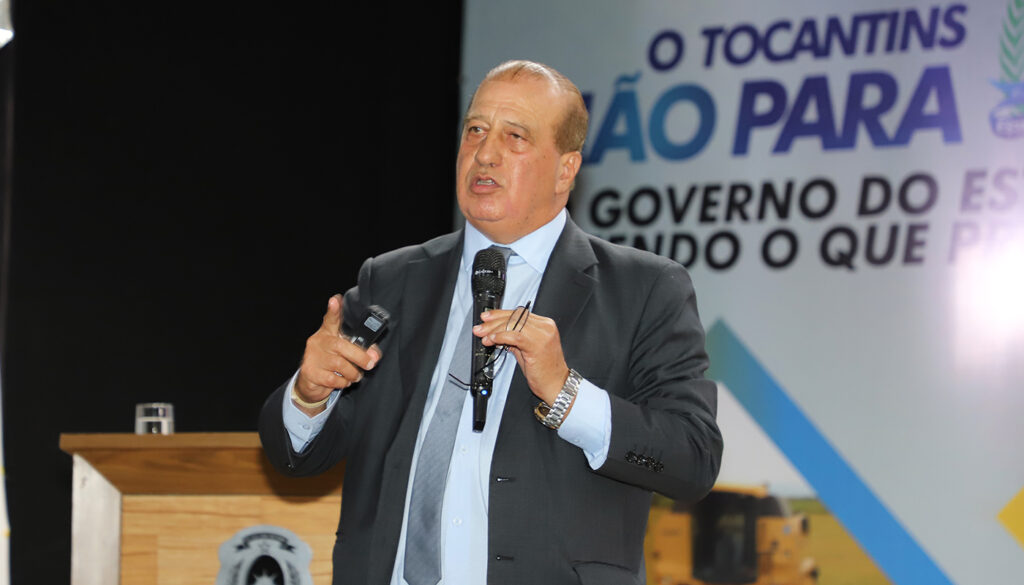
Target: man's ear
column 568, row 167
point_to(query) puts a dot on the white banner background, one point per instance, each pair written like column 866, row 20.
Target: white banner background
column 913, row 368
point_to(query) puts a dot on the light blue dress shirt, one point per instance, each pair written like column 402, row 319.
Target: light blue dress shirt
column 464, row 513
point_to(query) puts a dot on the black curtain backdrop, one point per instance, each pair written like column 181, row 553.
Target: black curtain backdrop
column 191, row 183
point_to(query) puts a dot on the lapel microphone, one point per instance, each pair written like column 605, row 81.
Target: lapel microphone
column 488, row 286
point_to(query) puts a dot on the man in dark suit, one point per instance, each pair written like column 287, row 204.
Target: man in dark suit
column 557, row 487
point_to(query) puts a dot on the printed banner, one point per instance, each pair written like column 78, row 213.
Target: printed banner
column 6, row 34
column 6, row 28
column 845, row 183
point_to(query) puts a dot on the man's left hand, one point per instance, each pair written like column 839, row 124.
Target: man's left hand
column 536, row 345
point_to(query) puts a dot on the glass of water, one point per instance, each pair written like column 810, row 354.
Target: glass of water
column 154, row 418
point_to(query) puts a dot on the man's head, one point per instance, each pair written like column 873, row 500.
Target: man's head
column 520, row 150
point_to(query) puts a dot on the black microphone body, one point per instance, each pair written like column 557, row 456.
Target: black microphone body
column 488, row 289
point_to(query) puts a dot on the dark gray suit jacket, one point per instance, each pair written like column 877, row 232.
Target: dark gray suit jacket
column 628, row 323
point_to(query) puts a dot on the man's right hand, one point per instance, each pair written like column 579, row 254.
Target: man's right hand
column 331, row 361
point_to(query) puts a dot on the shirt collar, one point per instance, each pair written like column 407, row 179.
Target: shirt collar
column 534, row 248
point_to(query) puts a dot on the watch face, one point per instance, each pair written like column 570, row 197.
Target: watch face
column 543, row 412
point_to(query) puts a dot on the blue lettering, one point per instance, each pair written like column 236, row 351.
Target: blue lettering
column 872, row 20
column 748, row 118
column 764, row 103
column 675, row 42
column 890, row 41
column 865, row 33
column 857, row 112
column 834, row 32
column 624, row 107
column 955, row 26
column 935, row 79
column 813, row 91
column 926, row 36
column 769, row 50
column 807, row 40
column 701, row 99
column 711, row 34
column 740, row 59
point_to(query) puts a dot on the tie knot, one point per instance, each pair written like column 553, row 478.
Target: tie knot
column 506, row 252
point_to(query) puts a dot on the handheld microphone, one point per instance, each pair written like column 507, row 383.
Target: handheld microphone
column 488, row 289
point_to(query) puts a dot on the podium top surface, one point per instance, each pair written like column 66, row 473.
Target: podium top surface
column 77, row 442
column 191, row 464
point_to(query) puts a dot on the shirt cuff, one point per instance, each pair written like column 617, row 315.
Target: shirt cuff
column 301, row 427
column 589, row 424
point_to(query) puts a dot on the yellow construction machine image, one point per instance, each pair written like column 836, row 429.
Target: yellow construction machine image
column 736, row 535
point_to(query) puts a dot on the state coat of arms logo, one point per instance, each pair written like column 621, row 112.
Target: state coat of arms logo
column 264, row 555
column 1007, row 118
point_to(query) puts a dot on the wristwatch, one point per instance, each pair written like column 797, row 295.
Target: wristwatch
column 553, row 415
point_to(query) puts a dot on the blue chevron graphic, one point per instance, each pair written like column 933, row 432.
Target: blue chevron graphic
column 844, row 493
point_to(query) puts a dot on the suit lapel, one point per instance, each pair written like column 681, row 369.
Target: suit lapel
column 564, row 290
column 566, row 286
column 426, row 299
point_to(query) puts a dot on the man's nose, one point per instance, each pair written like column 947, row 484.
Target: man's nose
column 489, row 151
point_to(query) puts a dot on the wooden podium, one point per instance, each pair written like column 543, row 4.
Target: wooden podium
column 154, row 509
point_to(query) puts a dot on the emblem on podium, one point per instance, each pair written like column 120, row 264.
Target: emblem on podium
column 264, row 555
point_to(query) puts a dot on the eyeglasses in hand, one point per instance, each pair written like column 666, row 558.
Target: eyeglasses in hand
column 516, row 322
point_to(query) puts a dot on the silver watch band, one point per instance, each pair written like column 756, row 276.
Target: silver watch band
column 552, row 416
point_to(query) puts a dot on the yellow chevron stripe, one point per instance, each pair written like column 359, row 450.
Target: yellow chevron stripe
column 1012, row 517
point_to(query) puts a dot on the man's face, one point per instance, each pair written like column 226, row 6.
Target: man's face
column 510, row 177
